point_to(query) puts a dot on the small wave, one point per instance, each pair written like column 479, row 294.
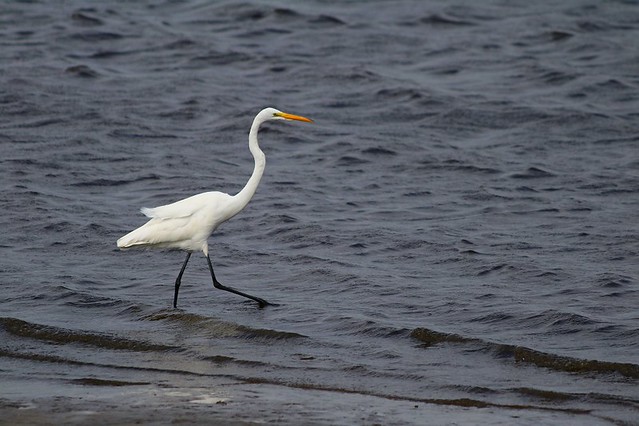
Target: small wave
column 82, row 17
column 494, row 318
column 74, row 297
column 350, row 160
column 472, row 252
column 180, row 44
column 553, row 36
column 65, row 336
column 326, row 20
column 532, row 356
column 558, row 35
column 268, row 334
column 221, row 359
column 494, row 268
column 525, row 188
column 96, row 36
column 106, row 54
column 619, row 140
column 102, row 182
column 241, row 12
column 92, row 381
column 460, row 402
column 601, row 25
column 351, row 74
column 379, row 151
column 568, row 364
column 439, row 20
column 431, row 337
column 611, row 280
column 40, row 123
column 114, row 182
column 458, row 165
column 219, row 328
column 532, row 173
column 560, row 321
column 83, row 71
column 219, row 58
column 356, row 326
column 417, row 193
column 400, row 93
column 489, row 116
column 6, row 353
column 546, row 394
column 284, row 218
column 122, row 133
column 557, row 77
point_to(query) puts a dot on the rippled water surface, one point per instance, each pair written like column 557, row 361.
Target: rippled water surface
column 454, row 241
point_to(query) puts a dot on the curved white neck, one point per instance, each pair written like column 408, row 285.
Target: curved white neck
column 244, row 196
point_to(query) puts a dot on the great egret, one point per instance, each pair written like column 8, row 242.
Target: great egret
column 187, row 224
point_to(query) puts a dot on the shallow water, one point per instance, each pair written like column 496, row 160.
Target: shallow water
column 454, row 240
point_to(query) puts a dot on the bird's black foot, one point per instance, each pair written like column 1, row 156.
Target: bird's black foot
column 261, row 302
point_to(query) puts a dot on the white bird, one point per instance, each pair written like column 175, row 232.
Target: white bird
column 188, row 223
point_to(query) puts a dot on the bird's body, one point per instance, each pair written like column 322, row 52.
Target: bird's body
column 188, row 223
column 184, row 225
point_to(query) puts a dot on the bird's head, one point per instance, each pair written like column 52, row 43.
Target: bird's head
column 275, row 114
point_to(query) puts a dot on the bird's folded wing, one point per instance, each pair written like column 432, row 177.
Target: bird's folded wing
column 182, row 208
column 188, row 206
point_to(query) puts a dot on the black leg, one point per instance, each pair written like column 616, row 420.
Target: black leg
column 217, row 284
column 178, row 281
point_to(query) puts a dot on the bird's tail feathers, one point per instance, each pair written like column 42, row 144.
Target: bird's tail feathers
column 134, row 238
column 146, row 211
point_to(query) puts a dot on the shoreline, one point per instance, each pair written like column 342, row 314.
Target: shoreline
column 242, row 403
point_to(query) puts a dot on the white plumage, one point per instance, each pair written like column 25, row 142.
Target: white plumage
column 184, row 225
column 187, row 224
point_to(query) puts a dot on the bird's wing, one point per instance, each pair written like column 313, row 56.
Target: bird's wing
column 183, row 208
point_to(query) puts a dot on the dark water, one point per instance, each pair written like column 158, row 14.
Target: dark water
column 455, row 241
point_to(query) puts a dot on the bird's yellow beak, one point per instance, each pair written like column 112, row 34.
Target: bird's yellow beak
column 293, row 117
